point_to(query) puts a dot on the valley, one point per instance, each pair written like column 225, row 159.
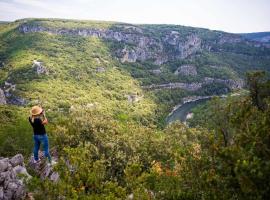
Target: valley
column 112, row 93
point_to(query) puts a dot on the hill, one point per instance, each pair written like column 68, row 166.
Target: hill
column 259, row 37
column 107, row 89
column 191, row 60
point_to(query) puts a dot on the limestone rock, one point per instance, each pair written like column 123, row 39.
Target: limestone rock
column 100, row 69
column 11, row 187
column 144, row 46
column 1, row 193
column 3, row 165
column 39, row 67
column 133, row 98
column 9, row 87
column 156, row 71
column 17, row 160
column 43, row 169
column 129, row 55
column 185, row 86
column 231, row 83
column 2, row 97
column 21, row 170
column 186, row 70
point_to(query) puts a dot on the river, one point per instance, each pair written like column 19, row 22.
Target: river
column 182, row 112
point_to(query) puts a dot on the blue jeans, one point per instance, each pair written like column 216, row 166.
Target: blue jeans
column 41, row 139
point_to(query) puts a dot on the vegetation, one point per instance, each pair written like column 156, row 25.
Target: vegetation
column 113, row 148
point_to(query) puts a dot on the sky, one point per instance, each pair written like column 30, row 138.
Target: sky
column 236, row 16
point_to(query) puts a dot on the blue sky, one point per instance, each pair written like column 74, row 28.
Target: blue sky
column 228, row 15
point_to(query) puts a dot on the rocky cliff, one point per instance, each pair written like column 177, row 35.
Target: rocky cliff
column 230, row 83
column 141, row 44
column 11, row 183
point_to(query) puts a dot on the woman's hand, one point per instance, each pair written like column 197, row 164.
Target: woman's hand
column 45, row 121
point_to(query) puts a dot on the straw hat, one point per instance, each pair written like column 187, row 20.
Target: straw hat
column 36, row 110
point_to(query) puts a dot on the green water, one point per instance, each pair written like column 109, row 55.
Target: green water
column 181, row 113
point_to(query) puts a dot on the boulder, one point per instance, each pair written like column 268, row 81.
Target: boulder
column 186, row 70
column 156, row 71
column 100, row 69
column 3, row 165
column 11, row 187
column 133, row 98
column 21, row 170
column 129, row 55
column 17, row 160
column 2, row 97
column 9, row 86
column 39, row 67
column 1, row 193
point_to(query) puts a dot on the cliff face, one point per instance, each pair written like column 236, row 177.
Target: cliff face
column 158, row 57
column 141, row 44
column 138, row 46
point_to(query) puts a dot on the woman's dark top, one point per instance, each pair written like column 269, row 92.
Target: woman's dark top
column 38, row 127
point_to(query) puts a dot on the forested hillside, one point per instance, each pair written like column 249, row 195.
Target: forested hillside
column 107, row 89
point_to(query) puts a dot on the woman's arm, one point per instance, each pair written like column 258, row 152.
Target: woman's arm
column 45, row 121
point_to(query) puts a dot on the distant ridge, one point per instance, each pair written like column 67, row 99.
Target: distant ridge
column 259, row 37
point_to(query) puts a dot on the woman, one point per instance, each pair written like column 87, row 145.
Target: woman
column 38, row 120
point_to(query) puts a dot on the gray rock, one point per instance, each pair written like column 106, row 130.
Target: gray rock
column 19, row 170
column 100, row 69
column 133, row 98
column 1, row 193
column 14, row 190
column 54, row 177
column 10, row 186
column 185, row 86
column 39, row 67
column 129, row 55
column 9, row 86
column 156, row 71
column 3, row 165
column 42, row 168
column 186, row 70
column 144, row 46
column 17, row 160
column 231, row 83
column 2, row 97
column 15, row 100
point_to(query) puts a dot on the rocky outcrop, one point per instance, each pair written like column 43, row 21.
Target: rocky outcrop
column 12, row 173
column 189, row 47
column 133, row 98
column 7, row 95
column 142, row 46
column 186, row 70
column 2, row 97
column 9, row 87
column 229, row 38
column 100, row 69
column 185, row 86
column 232, row 84
column 155, row 71
column 40, row 68
column 128, row 55
column 43, row 169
